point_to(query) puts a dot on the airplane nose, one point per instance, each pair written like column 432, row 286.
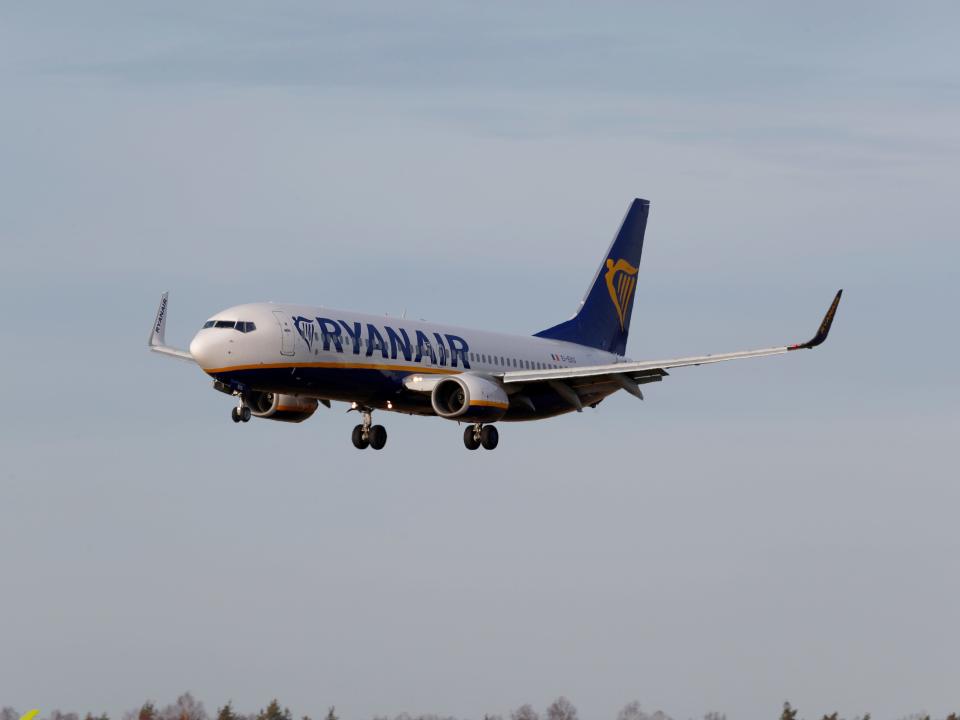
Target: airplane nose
column 206, row 350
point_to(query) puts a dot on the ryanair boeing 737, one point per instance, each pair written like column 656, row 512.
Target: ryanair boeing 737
column 281, row 361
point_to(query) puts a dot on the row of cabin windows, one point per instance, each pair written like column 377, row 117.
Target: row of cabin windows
column 241, row 325
column 425, row 348
column 511, row 362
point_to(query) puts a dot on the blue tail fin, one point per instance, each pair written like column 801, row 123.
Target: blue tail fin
column 603, row 319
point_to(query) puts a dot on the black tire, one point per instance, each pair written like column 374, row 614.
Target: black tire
column 245, row 414
column 359, row 441
column 235, row 415
column 470, row 439
column 378, row 437
column 489, row 437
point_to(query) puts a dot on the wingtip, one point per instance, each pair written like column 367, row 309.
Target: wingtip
column 824, row 330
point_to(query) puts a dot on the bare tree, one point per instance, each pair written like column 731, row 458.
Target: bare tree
column 524, row 712
column 185, row 708
column 633, row 711
column 561, row 709
column 788, row 713
column 8, row 713
column 715, row 716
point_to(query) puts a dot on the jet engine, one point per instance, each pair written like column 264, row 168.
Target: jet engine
column 469, row 398
column 273, row 406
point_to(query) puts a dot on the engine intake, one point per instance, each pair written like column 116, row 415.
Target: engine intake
column 469, row 398
column 286, row 408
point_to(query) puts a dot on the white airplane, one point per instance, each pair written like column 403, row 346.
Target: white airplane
column 281, row 361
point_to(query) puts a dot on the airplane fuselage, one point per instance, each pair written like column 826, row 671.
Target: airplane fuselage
column 330, row 354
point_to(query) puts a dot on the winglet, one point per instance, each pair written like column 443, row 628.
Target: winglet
column 824, row 328
column 157, row 341
column 159, row 329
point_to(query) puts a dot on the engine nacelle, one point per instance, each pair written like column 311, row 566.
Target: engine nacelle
column 274, row 406
column 469, row 398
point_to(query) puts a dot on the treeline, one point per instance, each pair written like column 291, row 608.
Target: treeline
column 188, row 708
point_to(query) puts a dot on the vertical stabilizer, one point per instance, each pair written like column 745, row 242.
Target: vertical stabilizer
column 603, row 319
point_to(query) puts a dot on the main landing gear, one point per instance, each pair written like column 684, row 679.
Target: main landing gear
column 476, row 435
column 240, row 414
column 366, row 434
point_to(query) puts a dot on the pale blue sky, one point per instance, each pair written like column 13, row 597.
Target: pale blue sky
column 767, row 530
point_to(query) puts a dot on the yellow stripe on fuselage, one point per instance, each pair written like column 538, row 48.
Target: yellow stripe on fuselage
column 334, row 365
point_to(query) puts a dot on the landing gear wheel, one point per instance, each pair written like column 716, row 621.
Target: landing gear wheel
column 235, row 414
column 245, row 414
column 360, row 440
column 470, row 438
column 377, row 437
column 489, row 437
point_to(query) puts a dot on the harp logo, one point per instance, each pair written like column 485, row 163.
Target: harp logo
column 621, row 280
column 30, row 715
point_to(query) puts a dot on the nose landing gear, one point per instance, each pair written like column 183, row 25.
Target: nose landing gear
column 476, row 435
column 240, row 413
column 366, row 434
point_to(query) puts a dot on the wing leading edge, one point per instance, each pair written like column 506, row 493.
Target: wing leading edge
column 654, row 370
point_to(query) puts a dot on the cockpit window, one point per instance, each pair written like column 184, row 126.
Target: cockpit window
column 241, row 325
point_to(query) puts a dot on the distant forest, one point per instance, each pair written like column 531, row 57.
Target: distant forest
column 188, row 708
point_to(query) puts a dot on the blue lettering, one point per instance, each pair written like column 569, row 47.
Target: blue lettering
column 423, row 347
column 396, row 342
column 441, row 349
column 378, row 344
column 458, row 348
column 354, row 335
column 330, row 330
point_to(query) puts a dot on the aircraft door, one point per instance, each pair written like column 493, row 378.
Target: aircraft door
column 287, row 338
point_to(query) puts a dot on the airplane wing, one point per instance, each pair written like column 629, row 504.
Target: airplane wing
column 630, row 375
column 158, row 331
